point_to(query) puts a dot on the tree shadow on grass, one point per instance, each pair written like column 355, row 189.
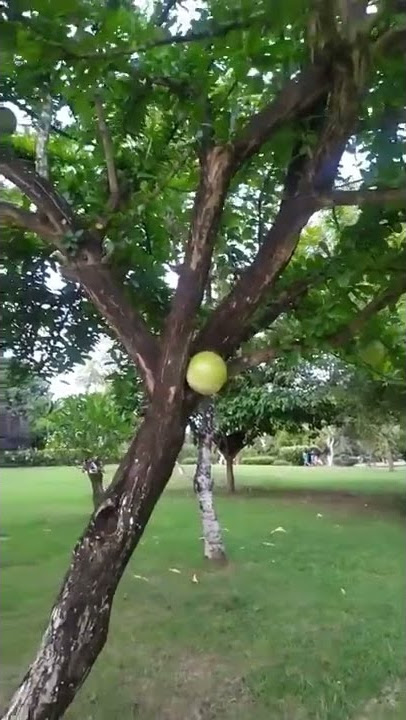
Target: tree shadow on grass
column 394, row 502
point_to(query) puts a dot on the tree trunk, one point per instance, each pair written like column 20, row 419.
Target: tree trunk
column 389, row 457
column 330, row 452
column 203, row 485
column 96, row 480
column 230, row 474
column 79, row 621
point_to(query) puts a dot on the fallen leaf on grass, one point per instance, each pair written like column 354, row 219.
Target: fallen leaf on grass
column 319, row 515
column 278, row 529
column 141, row 577
column 343, row 592
column 194, row 578
column 175, row 570
column 269, row 544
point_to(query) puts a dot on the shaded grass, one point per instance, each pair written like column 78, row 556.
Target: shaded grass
column 309, row 627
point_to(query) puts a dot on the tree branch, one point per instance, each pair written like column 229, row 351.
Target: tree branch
column 41, row 193
column 109, row 156
column 110, row 299
column 215, row 173
column 19, row 217
column 84, row 265
column 364, row 196
column 178, row 39
column 297, row 96
column 338, row 338
column 230, row 321
column 389, row 295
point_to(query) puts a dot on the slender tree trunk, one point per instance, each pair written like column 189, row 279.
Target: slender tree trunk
column 230, row 473
column 389, row 457
column 203, row 486
column 96, row 480
column 44, row 125
column 79, row 621
column 330, row 452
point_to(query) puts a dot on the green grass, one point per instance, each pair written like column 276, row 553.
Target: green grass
column 310, row 628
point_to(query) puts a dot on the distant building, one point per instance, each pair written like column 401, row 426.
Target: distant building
column 14, row 428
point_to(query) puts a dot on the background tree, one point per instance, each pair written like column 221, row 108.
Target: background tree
column 202, row 425
column 95, row 426
column 269, row 398
column 25, row 401
column 147, row 172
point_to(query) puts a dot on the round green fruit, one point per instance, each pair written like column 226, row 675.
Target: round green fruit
column 8, row 121
column 206, row 373
column 373, row 354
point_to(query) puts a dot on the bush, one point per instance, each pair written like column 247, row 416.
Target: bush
column 258, row 460
column 292, row 454
column 188, row 455
column 278, row 462
column 37, row 458
column 345, row 460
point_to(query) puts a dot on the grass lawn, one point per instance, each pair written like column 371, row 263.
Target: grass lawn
column 303, row 625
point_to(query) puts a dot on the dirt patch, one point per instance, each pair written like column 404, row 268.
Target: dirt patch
column 389, row 704
column 359, row 502
column 200, row 689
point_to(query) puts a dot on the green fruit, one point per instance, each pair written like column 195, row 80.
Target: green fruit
column 8, row 121
column 373, row 354
column 206, row 373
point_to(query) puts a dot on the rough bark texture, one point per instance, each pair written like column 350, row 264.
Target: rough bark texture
column 230, row 474
column 203, row 486
column 79, row 620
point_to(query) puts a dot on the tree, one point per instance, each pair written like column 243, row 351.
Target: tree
column 152, row 169
column 202, row 424
column 95, row 426
column 25, row 402
column 269, row 398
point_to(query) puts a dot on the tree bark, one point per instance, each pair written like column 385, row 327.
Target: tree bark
column 230, row 473
column 330, row 451
column 203, row 486
column 79, row 621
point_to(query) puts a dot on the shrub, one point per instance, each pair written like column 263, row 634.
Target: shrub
column 188, row 453
column 188, row 461
column 292, row 454
column 258, row 460
column 345, row 460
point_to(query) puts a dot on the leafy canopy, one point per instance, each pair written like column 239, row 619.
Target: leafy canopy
column 91, row 423
column 137, row 100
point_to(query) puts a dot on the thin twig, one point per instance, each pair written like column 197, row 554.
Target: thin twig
column 108, row 155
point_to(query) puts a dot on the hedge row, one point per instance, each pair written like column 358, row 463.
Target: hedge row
column 37, row 458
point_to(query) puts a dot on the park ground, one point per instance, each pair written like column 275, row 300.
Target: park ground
column 306, row 624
